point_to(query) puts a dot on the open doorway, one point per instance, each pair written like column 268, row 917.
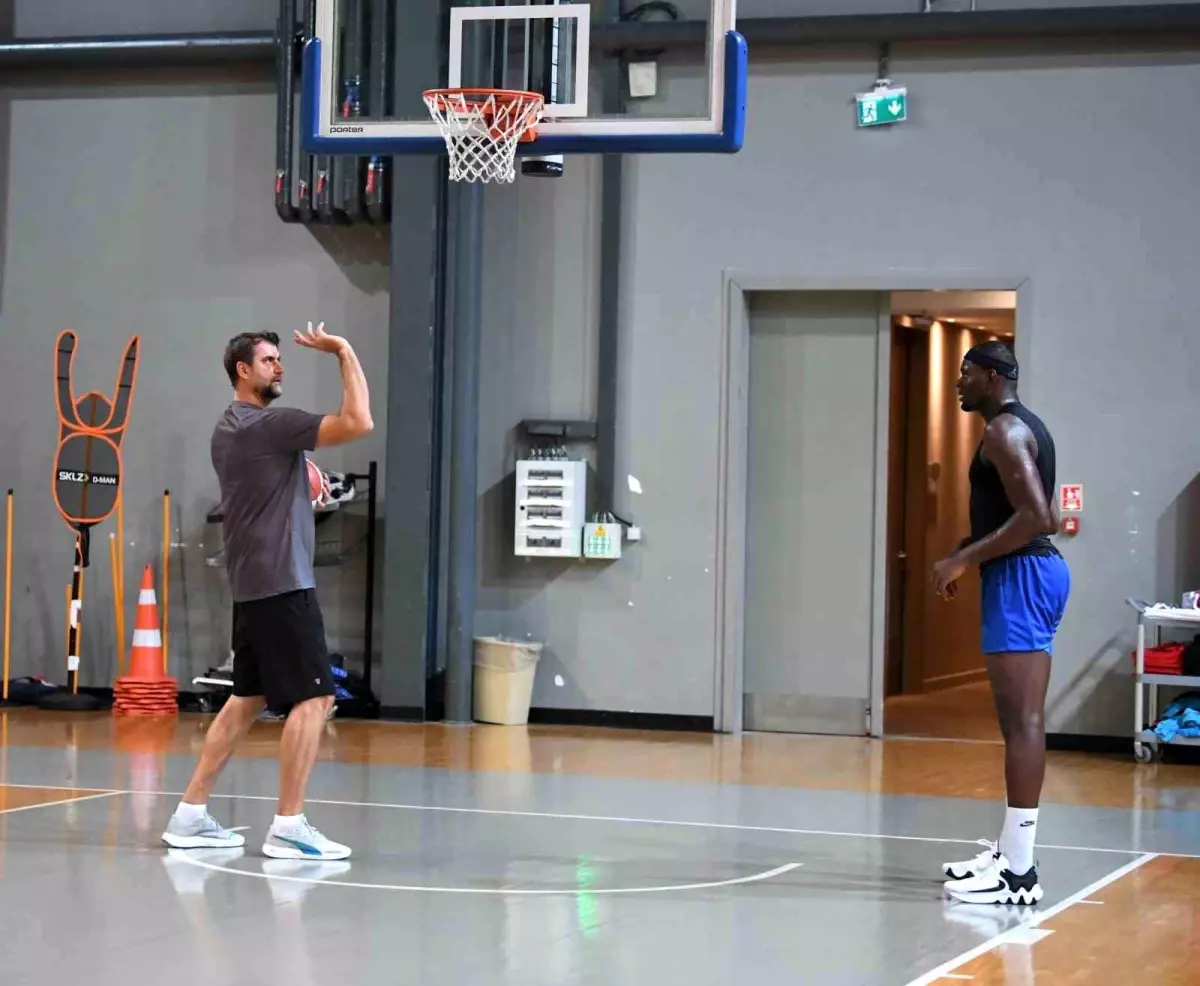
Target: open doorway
column 936, row 682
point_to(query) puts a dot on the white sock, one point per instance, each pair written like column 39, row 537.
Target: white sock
column 190, row 813
column 288, row 821
column 1016, row 839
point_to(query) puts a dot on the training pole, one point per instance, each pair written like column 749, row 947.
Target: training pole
column 8, row 553
column 75, row 616
column 121, row 581
column 112, row 558
column 166, row 573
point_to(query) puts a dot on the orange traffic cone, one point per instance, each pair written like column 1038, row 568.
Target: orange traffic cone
column 146, row 658
column 146, row 690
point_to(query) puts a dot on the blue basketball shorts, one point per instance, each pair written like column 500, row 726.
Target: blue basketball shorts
column 1024, row 598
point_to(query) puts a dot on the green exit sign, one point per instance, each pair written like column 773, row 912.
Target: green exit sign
column 882, row 106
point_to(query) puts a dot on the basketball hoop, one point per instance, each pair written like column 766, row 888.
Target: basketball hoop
column 482, row 128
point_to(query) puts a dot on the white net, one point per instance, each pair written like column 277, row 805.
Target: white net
column 482, row 130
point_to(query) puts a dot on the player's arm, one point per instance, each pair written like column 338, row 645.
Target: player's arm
column 1007, row 445
column 353, row 419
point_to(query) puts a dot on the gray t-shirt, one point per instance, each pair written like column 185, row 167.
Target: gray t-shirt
column 270, row 534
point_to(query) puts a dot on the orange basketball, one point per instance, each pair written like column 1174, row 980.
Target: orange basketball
column 317, row 483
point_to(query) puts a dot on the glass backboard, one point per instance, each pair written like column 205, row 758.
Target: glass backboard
column 665, row 77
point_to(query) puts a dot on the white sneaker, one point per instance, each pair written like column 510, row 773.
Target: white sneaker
column 204, row 833
column 970, row 867
column 302, row 842
column 997, row 885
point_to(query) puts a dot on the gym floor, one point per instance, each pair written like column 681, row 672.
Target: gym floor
column 551, row 855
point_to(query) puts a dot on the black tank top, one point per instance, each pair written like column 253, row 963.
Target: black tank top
column 990, row 508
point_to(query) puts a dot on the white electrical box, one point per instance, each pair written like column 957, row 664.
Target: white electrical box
column 551, row 507
column 602, row 540
column 643, row 79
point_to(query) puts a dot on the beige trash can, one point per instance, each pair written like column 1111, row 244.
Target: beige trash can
column 504, row 671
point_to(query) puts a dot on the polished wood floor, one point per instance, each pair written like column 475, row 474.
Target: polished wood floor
column 891, row 766
column 1143, row 928
column 963, row 712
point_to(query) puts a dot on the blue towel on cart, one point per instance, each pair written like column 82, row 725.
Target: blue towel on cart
column 1186, row 723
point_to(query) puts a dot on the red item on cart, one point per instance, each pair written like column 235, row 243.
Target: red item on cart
column 1164, row 659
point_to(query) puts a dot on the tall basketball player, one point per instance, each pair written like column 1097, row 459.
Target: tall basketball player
column 1025, row 585
column 279, row 653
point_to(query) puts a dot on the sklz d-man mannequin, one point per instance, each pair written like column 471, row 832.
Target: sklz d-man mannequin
column 87, row 466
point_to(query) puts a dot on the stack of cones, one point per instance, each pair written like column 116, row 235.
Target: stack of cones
column 146, row 690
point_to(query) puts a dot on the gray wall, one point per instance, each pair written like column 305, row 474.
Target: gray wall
column 50, row 18
column 70, row 17
column 1071, row 170
column 538, row 359
column 804, row 8
column 148, row 209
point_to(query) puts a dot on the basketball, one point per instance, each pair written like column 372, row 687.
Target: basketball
column 317, row 484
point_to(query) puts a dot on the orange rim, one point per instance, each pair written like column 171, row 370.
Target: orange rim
column 441, row 97
column 506, row 94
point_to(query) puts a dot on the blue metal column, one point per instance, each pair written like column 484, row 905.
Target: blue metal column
column 465, row 233
column 411, row 496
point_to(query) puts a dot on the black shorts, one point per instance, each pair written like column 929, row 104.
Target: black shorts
column 279, row 649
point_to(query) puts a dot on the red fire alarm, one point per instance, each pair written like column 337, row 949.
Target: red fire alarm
column 1070, row 525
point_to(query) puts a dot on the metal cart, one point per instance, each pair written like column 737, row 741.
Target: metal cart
column 1145, row 741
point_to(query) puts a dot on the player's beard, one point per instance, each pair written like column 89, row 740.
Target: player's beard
column 270, row 391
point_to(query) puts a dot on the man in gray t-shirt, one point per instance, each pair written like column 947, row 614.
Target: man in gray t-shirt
column 279, row 653
column 258, row 453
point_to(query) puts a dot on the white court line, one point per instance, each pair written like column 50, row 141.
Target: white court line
column 1021, row 931
column 62, row 787
column 499, row 891
column 1026, row 934
column 727, row 826
column 61, row 801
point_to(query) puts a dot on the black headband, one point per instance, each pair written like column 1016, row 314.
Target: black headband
column 982, row 357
